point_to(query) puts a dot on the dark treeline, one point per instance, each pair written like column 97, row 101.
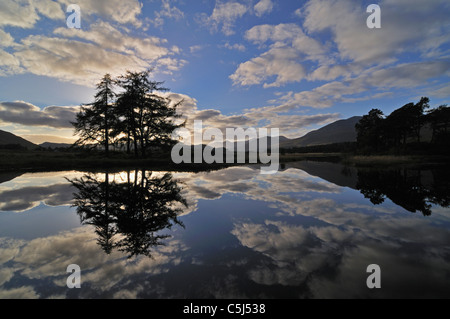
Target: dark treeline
column 345, row 147
column 127, row 115
column 412, row 129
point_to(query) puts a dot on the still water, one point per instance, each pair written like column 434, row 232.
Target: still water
column 309, row 231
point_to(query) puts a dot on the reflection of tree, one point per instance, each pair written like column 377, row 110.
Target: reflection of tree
column 127, row 214
column 413, row 189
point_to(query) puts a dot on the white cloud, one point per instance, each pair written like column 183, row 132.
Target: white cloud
column 263, row 7
column 9, row 64
column 406, row 27
column 290, row 125
column 373, row 84
column 50, row 9
column 6, row 40
column 167, row 11
column 84, row 56
column 236, row 46
column 119, row 11
column 225, row 14
column 195, row 48
column 280, row 62
column 290, row 46
column 25, row 13
column 20, row 14
column 362, row 64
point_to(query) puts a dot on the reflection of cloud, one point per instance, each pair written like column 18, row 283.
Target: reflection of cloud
column 49, row 257
column 249, row 183
column 312, row 243
column 24, row 292
column 18, row 200
column 352, row 238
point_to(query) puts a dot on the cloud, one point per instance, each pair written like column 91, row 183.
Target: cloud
column 195, row 48
column 119, row 11
column 406, row 27
column 84, row 56
column 280, row 62
column 263, row 7
column 17, row 14
column 9, row 64
column 24, row 292
column 167, row 12
column 25, row 13
column 224, row 14
column 24, row 113
column 358, row 63
column 6, row 39
column 369, row 85
column 290, row 46
column 291, row 125
column 236, row 46
column 409, row 74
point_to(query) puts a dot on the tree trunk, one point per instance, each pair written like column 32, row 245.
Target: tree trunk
column 106, row 134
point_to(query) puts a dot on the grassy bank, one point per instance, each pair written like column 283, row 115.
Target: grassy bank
column 393, row 160
column 57, row 161
column 50, row 161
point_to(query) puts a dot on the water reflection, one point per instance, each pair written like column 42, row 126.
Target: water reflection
column 415, row 190
column 308, row 231
column 126, row 213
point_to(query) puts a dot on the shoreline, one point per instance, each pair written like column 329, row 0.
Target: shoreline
column 56, row 161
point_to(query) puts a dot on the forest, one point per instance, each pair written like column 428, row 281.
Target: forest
column 413, row 129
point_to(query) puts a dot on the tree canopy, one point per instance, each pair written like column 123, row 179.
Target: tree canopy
column 129, row 113
column 411, row 126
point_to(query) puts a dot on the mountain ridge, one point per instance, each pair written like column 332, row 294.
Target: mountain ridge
column 7, row 138
column 340, row 131
column 337, row 132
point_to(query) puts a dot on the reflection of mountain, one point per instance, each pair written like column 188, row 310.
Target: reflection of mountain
column 333, row 172
column 8, row 176
column 127, row 215
column 413, row 189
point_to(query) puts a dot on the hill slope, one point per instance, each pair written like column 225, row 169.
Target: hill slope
column 337, row 132
column 7, row 138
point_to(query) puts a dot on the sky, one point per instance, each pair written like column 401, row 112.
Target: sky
column 292, row 65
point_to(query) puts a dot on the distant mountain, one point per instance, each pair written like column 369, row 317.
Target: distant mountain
column 338, row 132
column 7, row 138
column 282, row 139
column 55, row 145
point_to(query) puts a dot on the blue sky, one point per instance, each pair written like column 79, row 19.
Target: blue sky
column 293, row 65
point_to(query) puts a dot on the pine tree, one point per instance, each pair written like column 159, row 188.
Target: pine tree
column 148, row 120
column 95, row 122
